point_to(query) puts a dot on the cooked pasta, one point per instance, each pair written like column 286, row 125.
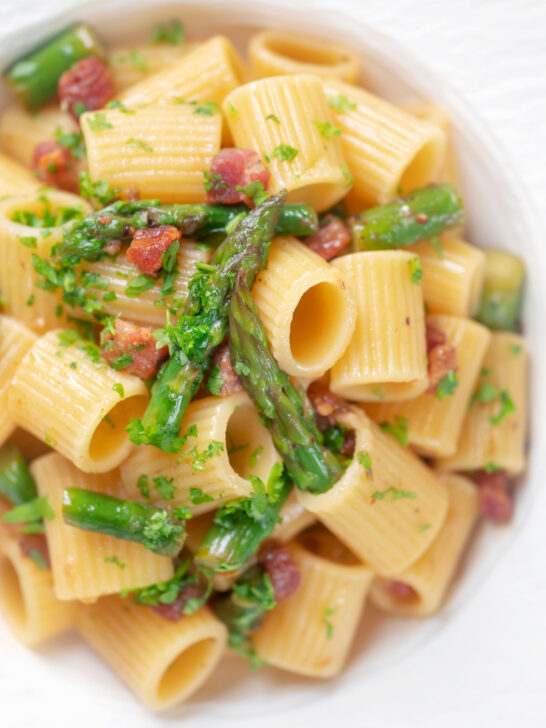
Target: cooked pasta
column 272, row 53
column 288, row 120
column 307, row 311
column 435, row 418
column 243, row 372
column 77, row 408
column 386, row 358
column 88, row 565
column 429, row 577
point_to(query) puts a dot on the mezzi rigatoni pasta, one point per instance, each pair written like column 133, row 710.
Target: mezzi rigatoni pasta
column 162, row 662
column 453, row 273
column 429, row 577
column 272, row 53
column 207, row 73
column 388, row 506
column 19, row 242
column 307, row 310
column 434, row 420
column 386, row 358
column 494, row 430
column 311, row 632
column 27, row 599
column 82, row 407
column 226, row 443
column 14, row 178
column 287, row 120
column 160, row 151
column 88, row 565
column 386, row 148
column 15, row 341
column 131, row 64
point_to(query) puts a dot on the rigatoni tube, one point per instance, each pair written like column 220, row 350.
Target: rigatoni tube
column 15, row 341
column 14, row 178
column 78, row 408
column 386, row 358
column 306, row 309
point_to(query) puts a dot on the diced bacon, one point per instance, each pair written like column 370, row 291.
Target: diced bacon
column 324, row 400
column 281, row 569
column 175, row 610
column 136, row 341
column 348, row 447
column 232, row 168
column 29, row 542
column 399, row 589
column 55, row 165
column 231, row 381
column 435, row 337
column 330, row 239
column 148, row 245
column 87, row 83
column 495, row 495
column 441, row 360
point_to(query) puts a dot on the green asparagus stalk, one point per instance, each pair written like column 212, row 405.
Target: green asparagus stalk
column 16, row 483
column 284, row 407
column 501, row 298
column 34, row 79
column 240, row 527
column 202, row 326
column 157, row 529
column 86, row 239
column 422, row 214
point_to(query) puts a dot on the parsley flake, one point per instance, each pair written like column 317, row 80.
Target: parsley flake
column 172, row 33
column 341, row 103
column 165, row 487
column 507, row 406
column 99, row 122
column 132, row 142
column 395, row 494
column 114, row 560
column 215, row 382
column 284, row 153
column 328, row 612
column 272, row 117
column 327, row 129
column 33, row 510
column 399, row 429
column 416, row 272
column 143, row 486
column 197, row 497
column 447, row 385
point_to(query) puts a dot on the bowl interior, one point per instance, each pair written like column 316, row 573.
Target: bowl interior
column 498, row 215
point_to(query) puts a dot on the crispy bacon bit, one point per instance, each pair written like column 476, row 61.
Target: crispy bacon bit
column 87, row 83
column 148, row 245
column 34, row 542
column 399, row 589
column 231, row 381
column 495, row 495
column 175, row 610
column 326, row 403
column 232, row 168
column 421, row 217
column 55, row 165
column 283, row 572
column 137, row 342
column 442, row 358
column 330, row 238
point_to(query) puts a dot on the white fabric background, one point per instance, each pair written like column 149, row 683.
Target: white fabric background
column 494, row 53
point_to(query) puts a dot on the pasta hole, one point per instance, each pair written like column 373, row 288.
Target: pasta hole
column 421, row 168
column 315, row 324
column 249, row 446
column 180, row 675
column 11, row 594
column 110, row 434
column 322, row 543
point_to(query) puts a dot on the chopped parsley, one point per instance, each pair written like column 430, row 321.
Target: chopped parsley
column 139, row 285
column 447, row 385
column 328, row 612
column 334, row 438
column 346, row 172
column 490, row 467
column 200, row 459
column 118, row 388
column 395, row 494
column 254, row 191
column 207, row 108
column 49, row 441
column 99, row 122
column 38, row 558
column 98, row 192
column 515, row 349
column 33, row 510
column 143, row 486
column 377, row 391
column 272, row 117
column 172, row 32
column 215, row 382
column 213, row 181
column 120, row 106
column 134, row 57
column 486, row 392
column 365, row 460
column 114, row 560
column 197, row 497
column 31, row 300
column 416, row 272
column 254, row 455
column 507, row 406
column 167, row 592
column 327, row 129
column 399, row 429
column 28, row 241
column 424, row 527
column 165, row 487
column 341, row 103
column 132, row 142
column 122, row 361
column 284, row 153
column 73, row 141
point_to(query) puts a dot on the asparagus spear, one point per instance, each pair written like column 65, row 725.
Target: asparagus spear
column 86, row 239
column 284, row 407
column 422, row 214
column 157, row 529
column 501, row 297
column 16, row 483
column 202, row 326
column 242, row 525
column 34, row 79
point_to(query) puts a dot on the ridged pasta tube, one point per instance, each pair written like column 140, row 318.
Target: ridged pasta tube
column 14, row 178
column 132, row 64
column 306, row 309
column 15, row 341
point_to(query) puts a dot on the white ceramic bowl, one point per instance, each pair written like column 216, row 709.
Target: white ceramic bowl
column 394, row 662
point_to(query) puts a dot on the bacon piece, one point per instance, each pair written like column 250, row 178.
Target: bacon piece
column 35, row 542
column 148, row 246
column 281, row 569
column 136, row 341
column 399, row 589
column 442, row 357
column 175, row 610
column 435, row 337
column 232, row 168
column 325, row 401
column 55, row 165
column 330, row 238
column 222, row 359
column 88, row 83
column 495, row 495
